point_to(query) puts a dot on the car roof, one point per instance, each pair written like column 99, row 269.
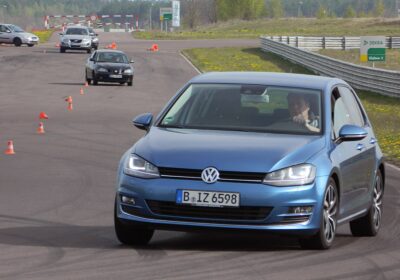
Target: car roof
column 267, row 78
column 77, row 26
column 108, row 50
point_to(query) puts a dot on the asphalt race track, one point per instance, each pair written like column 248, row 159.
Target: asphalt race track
column 57, row 192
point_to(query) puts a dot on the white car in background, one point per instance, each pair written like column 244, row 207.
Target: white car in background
column 76, row 38
column 12, row 34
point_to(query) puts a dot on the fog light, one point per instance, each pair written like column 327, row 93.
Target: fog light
column 300, row 210
column 128, row 200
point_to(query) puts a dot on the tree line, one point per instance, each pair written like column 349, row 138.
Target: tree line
column 196, row 12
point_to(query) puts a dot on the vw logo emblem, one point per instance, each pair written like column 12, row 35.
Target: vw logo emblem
column 210, row 175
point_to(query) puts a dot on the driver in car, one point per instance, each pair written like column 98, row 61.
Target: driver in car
column 300, row 113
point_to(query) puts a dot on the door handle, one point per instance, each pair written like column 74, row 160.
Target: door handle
column 372, row 141
column 360, row 147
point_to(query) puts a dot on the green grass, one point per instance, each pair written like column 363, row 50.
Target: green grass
column 287, row 26
column 44, row 35
column 353, row 56
column 383, row 111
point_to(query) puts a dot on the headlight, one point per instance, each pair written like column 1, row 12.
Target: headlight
column 65, row 40
column 138, row 167
column 302, row 174
column 85, row 41
column 101, row 69
column 128, row 71
column 95, row 39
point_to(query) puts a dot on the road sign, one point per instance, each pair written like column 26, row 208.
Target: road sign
column 167, row 16
column 176, row 14
column 372, row 48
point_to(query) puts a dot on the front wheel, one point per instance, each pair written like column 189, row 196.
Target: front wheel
column 130, row 83
column 30, row 45
column 369, row 224
column 131, row 235
column 62, row 50
column 17, row 42
column 95, row 82
column 325, row 236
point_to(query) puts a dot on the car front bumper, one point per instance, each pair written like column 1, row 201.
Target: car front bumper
column 105, row 77
column 76, row 46
column 30, row 41
column 279, row 199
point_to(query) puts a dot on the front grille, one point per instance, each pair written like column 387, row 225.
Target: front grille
column 76, row 41
column 243, row 213
column 195, row 174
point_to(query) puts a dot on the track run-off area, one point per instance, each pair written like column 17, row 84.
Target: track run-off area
column 57, row 191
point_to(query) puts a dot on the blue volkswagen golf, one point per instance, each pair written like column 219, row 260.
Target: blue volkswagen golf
column 285, row 153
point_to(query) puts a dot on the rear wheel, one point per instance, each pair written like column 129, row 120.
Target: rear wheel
column 129, row 234
column 325, row 236
column 369, row 224
column 17, row 42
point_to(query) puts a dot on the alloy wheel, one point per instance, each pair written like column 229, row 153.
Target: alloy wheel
column 329, row 213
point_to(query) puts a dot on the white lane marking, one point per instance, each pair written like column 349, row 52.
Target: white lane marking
column 188, row 61
column 393, row 167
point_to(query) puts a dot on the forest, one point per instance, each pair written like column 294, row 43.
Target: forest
column 195, row 12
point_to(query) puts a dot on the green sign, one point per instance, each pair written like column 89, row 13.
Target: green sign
column 377, row 54
column 167, row 16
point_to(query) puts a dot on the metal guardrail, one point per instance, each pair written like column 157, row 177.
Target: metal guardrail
column 339, row 43
column 366, row 78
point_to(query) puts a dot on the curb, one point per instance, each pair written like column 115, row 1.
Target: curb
column 188, row 61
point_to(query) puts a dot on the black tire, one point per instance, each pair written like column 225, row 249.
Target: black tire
column 17, row 42
column 95, row 82
column 323, row 240
column 30, row 45
column 89, row 81
column 130, row 83
column 370, row 224
column 62, row 50
column 130, row 234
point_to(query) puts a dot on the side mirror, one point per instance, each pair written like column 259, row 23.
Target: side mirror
column 91, row 59
column 143, row 121
column 352, row 133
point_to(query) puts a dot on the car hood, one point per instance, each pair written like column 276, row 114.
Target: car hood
column 27, row 35
column 113, row 65
column 225, row 150
column 79, row 37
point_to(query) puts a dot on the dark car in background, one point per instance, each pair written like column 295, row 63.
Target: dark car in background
column 95, row 38
column 109, row 66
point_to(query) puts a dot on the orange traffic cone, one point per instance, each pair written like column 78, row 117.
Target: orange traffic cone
column 57, row 45
column 69, row 99
column 154, row 48
column 70, row 106
column 113, row 46
column 10, row 148
column 43, row 116
column 40, row 129
column 81, row 91
column 86, row 84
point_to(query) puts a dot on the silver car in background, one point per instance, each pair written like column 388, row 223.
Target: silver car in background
column 76, row 38
column 13, row 34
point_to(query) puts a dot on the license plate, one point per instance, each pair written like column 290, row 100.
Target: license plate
column 208, row 199
column 116, row 76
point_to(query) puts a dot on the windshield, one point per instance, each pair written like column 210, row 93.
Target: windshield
column 16, row 28
column 112, row 57
column 76, row 31
column 244, row 107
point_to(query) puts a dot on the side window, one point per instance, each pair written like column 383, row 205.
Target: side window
column 352, row 105
column 341, row 115
column 2, row 28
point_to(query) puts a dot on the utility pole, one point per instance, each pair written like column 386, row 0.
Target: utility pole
column 398, row 8
column 300, row 9
column 4, row 12
column 151, row 11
